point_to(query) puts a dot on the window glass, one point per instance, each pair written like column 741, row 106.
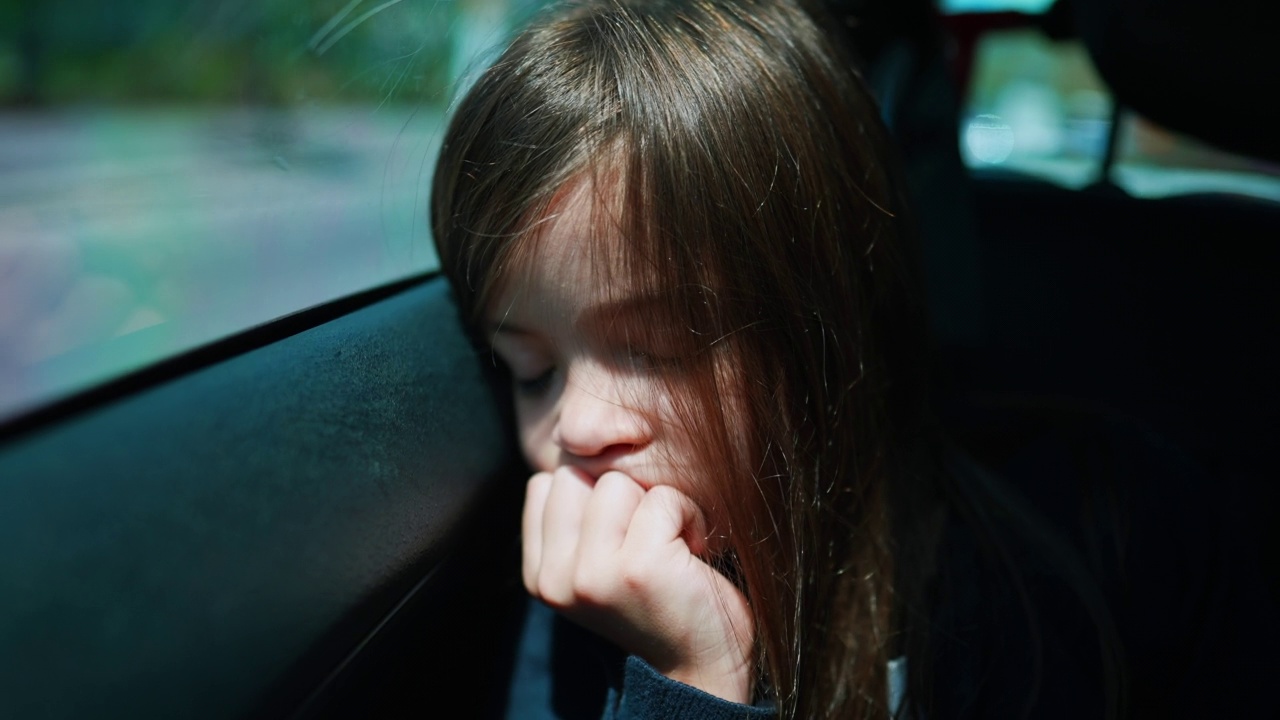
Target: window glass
column 1032, row 7
column 172, row 172
column 1152, row 161
column 1037, row 106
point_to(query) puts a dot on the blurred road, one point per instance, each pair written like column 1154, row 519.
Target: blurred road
column 127, row 235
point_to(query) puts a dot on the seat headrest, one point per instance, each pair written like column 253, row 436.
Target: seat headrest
column 1207, row 69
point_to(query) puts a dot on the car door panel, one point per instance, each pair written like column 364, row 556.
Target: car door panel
column 222, row 543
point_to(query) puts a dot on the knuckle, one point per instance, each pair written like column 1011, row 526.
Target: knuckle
column 613, row 478
column 592, row 586
column 537, row 483
column 666, row 492
column 529, row 572
column 607, row 483
column 635, row 577
column 666, row 497
column 567, row 474
column 664, row 502
column 554, row 594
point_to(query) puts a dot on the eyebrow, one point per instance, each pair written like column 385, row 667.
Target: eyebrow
column 504, row 326
column 501, row 325
column 602, row 315
column 597, row 316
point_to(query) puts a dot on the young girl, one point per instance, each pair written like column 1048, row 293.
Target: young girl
column 678, row 225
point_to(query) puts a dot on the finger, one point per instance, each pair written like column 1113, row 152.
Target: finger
column 535, row 504
column 666, row 515
column 607, row 516
column 561, row 528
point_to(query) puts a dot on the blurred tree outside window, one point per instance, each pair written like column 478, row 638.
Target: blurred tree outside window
column 172, row 172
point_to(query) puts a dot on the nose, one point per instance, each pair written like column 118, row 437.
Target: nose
column 597, row 422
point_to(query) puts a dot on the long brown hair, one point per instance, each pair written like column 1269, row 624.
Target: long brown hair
column 752, row 183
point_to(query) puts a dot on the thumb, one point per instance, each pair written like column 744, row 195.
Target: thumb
column 666, row 515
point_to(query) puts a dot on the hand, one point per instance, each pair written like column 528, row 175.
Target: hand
column 625, row 563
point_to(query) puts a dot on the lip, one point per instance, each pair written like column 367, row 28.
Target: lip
column 623, row 459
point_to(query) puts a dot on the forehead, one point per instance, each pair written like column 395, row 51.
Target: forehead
column 576, row 253
column 576, row 227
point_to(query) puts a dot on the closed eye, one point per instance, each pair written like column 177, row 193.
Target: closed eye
column 647, row 360
column 527, row 357
column 535, row 386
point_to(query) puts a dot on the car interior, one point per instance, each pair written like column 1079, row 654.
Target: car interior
column 315, row 515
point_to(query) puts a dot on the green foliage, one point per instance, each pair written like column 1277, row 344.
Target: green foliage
column 267, row 52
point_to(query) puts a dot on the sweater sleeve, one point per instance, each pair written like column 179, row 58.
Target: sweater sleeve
column 648, row 695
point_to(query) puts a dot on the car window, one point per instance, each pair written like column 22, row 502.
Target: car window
column 1038, row 107
column 175, row 172
column 968, row 6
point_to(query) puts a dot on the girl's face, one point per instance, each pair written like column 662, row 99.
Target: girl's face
column 587, row 394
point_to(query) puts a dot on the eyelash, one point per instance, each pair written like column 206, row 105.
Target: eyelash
column 641, row 360
column 536, row 386
column 638, row 359
column 650, row 362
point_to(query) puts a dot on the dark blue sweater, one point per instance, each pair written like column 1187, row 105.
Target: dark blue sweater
column 1195, row 625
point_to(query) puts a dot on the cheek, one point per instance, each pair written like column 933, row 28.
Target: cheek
column 721, row 436
column 735, row 406
column 535, row 430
